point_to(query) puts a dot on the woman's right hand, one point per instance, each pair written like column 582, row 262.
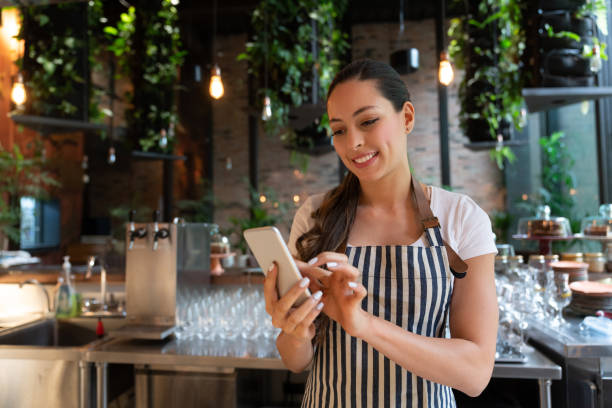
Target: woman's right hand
column 297, row 322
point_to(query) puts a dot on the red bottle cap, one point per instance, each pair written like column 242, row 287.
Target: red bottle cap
column 100, row 328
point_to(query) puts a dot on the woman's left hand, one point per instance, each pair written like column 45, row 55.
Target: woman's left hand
column 342, row 293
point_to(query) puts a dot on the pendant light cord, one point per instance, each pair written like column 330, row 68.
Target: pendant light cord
column 214, row 45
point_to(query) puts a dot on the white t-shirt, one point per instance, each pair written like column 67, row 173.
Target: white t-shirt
column 464, row 225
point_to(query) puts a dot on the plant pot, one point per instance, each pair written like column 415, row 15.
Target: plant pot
column 566, row 81
column 567, row 63
column 563, row 20
column 560, row 4
column 477, row 130
column 311, row 141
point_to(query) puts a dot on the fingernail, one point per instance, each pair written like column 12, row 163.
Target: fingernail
column 313, row 261
column 271, row 267
column 304, row 282
column 332, row 264
column 317, row 295
column 352, row 285
column 319, row 306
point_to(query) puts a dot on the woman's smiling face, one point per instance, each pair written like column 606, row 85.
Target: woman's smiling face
column 369, row 135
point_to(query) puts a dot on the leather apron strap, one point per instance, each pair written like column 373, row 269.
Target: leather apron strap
column 428, row 220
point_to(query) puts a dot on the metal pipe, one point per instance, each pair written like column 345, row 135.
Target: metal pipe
column 84, row 384
column 101, row 386
column 442, row 100
column 544, row 386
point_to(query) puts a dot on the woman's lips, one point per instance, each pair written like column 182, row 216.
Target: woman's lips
column 365, row 159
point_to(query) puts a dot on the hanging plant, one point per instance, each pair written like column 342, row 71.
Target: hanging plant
column 281, row 58
column 487, row 42
column 146, row 42
column 59, row 56
column 54, row 61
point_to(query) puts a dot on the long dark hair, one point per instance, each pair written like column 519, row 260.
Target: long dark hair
column 334, row 218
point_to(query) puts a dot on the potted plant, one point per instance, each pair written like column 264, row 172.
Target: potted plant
column 487, row 42
column 146, row 42
column 294, row 53
column 21, row 176
column 264, row 209
column 58, row 52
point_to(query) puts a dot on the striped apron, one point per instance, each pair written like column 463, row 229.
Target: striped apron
column 410, row 286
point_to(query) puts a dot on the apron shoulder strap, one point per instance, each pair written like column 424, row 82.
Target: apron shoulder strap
column 428, row 220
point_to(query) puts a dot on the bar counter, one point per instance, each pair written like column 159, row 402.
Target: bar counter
column 224, row 356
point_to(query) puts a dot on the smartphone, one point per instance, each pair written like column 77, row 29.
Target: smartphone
column 267, row 245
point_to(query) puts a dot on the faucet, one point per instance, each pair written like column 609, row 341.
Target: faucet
column 37, row 283
column 160, row 233
column 90, row 264
column 135, row 233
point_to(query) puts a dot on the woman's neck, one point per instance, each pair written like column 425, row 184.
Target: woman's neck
column 392, row 192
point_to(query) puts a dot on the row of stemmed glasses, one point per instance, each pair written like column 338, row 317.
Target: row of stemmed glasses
column 225, row 313
column 524, row 290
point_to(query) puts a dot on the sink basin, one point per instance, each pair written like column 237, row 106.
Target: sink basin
column 48, row 332
column 46, row 356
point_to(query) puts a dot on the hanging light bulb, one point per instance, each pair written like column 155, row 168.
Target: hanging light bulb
column 216, row 84
column 445, row 72
column 266, row 113
column 163, row 141
column 112, row 157
column 18, row 93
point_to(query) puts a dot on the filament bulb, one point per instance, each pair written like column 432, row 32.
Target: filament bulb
column 216, row 84
column 445, row 72
column 266, row 113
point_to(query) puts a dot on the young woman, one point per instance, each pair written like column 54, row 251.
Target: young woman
column 385, row 273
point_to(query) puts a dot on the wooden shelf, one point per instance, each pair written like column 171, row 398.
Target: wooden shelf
column 541, row 99
column 47, row 125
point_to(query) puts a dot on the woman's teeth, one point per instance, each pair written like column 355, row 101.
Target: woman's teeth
column 365, row 158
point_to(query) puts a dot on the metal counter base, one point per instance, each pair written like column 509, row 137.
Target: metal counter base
column 215, row 357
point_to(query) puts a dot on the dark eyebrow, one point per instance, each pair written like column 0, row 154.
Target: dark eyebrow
column 357, row 112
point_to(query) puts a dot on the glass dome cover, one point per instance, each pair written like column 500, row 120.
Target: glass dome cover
column 600, row 225
column 543, row 225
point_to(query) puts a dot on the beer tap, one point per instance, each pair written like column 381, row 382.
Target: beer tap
column 135, row 233
column 159, row 233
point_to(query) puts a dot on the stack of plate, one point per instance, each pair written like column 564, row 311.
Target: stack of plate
column 577, row 270
column 589, row 297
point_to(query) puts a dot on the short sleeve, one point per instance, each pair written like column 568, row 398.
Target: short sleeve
column 475, row 236
column 302, row 221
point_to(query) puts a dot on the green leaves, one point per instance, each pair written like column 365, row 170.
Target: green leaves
column 280, row 53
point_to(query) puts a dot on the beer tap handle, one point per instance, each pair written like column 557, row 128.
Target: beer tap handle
column 132, row 234
column 156, row 218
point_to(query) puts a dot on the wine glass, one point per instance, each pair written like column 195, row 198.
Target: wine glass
column 561, row 297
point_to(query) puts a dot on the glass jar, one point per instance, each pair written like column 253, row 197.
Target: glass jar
column 501, row 264
column 548, row 259
column 572, row 256
column 596, row 261
column 544, row 225
column 599, row 225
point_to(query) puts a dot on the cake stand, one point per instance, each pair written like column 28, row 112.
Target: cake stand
column 544, row 241
column 216, row 268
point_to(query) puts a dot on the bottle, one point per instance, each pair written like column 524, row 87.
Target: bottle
column 65, row 301
column 63, row 307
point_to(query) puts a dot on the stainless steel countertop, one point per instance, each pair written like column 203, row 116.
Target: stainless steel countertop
column 569, row 341
column 241, row 353
column 238, row 353
column 537, row 366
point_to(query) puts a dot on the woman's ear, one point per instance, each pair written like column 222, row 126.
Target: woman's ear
column 408, row 110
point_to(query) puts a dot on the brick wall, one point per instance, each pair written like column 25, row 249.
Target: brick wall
column 472, row 173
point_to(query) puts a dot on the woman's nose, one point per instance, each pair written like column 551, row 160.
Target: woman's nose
column 355, row 140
